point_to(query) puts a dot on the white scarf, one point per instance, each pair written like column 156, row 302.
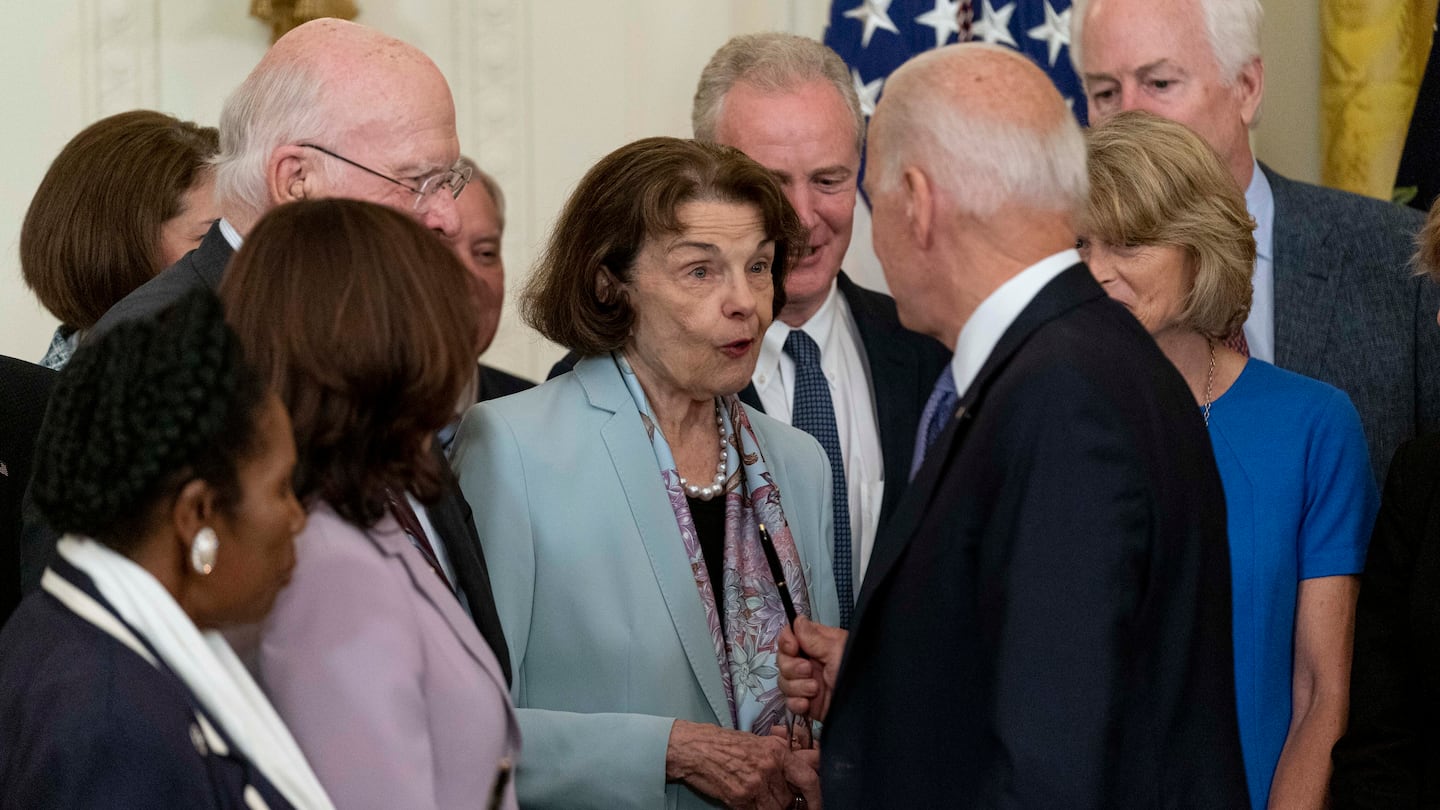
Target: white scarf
column 203, row 660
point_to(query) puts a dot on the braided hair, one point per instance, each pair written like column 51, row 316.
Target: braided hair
column 139, row 412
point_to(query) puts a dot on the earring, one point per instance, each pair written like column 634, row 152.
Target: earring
column 203, row 549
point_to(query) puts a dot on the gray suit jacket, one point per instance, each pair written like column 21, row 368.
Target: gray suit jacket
column 1350, row 311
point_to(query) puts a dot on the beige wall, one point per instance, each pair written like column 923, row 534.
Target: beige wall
column 1288, row 138
column 542, row 90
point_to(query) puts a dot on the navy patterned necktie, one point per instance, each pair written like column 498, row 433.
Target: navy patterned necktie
column 938, row 410
column 813, row 412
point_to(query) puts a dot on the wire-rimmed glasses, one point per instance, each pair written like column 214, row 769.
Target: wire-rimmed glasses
column 452, row 179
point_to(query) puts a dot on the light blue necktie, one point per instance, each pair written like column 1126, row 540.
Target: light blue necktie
column 814, row 413
column 938, row 410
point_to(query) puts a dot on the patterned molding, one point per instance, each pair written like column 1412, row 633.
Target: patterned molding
column 491, row 42
column 121, row 55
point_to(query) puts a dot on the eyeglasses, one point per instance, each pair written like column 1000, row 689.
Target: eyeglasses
column 452, row 179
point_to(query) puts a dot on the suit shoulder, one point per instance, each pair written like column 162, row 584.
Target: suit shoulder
column 1338, row 208
column 495, row 383
column 871, row 309
column 86, row 683
column 1419, row 459
column 147, row 300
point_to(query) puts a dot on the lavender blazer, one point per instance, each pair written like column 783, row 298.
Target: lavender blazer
column 393, row 695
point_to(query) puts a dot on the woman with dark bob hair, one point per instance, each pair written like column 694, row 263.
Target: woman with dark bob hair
column 125, row 198
column 364, row 323
column 626, row 504
column 167, row 465
column 1167, row 234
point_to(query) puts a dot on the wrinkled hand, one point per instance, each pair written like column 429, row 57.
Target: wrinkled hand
column 802, row 769
column 808, row 681
column 740, row 769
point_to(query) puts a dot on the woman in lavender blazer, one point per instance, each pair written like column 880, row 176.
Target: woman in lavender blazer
column 360, row 317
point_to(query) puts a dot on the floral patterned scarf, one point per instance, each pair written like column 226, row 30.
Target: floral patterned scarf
column 754, row 615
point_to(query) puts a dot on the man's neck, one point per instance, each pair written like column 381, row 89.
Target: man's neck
column 1242, row 167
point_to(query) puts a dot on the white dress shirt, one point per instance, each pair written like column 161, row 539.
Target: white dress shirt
column 842, row 359
column 987, row 325
column 1260, row 325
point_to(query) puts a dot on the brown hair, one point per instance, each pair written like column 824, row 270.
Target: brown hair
column 362, row 321
column 1154, row 182
column 631, row 196
column 92, row 233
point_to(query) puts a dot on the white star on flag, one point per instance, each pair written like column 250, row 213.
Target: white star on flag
column 875, row 14
column 869, row 93
column 1055, row 32
column 994, row 26
column 944, row 18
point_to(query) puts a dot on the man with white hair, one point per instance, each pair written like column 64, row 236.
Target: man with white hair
column 333, row 109
column 336, row 109
column 1334, row 296
column 1046, row 622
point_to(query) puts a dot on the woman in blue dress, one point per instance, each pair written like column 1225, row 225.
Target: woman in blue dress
column 1168, row 235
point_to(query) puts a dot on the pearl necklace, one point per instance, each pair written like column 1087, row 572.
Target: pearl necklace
column 717, row 486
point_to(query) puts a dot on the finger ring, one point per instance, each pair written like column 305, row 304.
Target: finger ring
column 798, row 804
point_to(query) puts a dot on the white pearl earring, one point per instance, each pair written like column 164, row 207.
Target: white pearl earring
column 203, row 550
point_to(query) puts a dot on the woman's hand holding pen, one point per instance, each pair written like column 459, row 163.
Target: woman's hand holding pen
column 810, row 656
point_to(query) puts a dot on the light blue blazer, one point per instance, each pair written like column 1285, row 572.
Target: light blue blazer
column 594, row 589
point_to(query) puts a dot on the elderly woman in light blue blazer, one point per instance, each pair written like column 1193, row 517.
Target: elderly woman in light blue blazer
column 619, row 505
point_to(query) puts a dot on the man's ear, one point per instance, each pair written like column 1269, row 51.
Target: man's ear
column 288, row 174
column 1249, row 89
column 194, row 509
column 919, row 206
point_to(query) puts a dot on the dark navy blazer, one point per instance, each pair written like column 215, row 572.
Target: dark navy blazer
column 87, row 722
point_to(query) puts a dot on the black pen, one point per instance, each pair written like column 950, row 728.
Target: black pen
column 777, row 573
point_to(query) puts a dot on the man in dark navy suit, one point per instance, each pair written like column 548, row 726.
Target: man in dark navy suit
column 1046, row 619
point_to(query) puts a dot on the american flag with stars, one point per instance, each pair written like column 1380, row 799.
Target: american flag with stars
column 875, row 37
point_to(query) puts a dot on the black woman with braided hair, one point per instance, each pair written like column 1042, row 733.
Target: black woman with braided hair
column 166, row 464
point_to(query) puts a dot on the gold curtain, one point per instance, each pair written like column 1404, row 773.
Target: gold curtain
column 286, row 14
column 1373, row 56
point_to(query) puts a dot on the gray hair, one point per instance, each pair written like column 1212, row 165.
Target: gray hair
column 982, row 163
column 492, row 186
column 275, row 105
column 1231, row 26
column 775, row 63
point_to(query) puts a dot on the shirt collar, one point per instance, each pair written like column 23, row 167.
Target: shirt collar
column 818, row 328
column 1260, row 199
column 979, row 336
column 231, row 235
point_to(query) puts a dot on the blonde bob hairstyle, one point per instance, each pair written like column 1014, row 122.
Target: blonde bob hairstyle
column 1154, row 182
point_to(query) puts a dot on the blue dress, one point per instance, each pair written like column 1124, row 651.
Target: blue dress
column 1301, row 501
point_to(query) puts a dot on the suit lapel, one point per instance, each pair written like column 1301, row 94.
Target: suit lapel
column 1305, row 285
column 635, row 468
column 451, row 517
column 392, row 542
column 1071, row 288
column 894, row 370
